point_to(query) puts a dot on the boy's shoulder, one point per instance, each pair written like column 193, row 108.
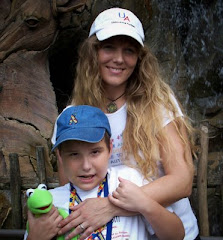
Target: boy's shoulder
column 126, row 172
column 60, row 189
column 61, row 196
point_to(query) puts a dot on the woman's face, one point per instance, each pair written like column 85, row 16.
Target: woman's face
column 117, row 57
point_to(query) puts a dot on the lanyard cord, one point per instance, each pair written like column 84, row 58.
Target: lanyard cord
column 75, row 197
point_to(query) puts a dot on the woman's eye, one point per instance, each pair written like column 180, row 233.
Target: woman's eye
column 107, row 46
column 130, row 50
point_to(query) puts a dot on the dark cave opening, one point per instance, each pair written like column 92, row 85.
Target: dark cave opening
column 63, row 56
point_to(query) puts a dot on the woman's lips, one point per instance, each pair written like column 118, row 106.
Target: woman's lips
column 115, row 70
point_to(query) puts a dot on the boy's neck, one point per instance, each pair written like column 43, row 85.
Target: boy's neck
column 82, row 190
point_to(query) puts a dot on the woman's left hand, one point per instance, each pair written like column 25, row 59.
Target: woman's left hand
column 87, row 217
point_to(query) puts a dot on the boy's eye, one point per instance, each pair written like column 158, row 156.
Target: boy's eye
column 73, row 154
column 95, row 152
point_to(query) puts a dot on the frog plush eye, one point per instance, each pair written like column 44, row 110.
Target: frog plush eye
column 42, row 187
column 29, row 192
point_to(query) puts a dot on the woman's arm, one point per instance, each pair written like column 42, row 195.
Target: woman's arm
column 178, row 179
column 165, row 224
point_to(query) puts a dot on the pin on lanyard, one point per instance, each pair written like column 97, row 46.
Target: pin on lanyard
column 75, row 197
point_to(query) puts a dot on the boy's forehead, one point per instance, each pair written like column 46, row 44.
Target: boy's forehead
column 77, row 143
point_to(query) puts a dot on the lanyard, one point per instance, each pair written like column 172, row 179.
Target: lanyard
column 75, row 197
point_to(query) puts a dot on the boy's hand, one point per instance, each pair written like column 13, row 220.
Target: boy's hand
column 44, row 227
column 128, row 196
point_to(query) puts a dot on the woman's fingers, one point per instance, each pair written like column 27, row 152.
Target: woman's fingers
column 88, row 214
column 82, row 232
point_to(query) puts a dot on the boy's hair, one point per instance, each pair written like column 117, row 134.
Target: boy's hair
column 106, row 139
column 81, row 123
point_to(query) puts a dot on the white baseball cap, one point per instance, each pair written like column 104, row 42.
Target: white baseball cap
column 117, row 21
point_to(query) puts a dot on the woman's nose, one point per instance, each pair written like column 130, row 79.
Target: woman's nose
column 118, row 56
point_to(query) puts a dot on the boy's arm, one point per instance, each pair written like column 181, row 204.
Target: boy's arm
column 165, row 224
column 44, row 227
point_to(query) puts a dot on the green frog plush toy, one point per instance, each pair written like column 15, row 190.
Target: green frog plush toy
column 40, row 201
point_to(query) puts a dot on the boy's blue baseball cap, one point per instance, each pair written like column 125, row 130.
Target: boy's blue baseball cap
column 82, row 123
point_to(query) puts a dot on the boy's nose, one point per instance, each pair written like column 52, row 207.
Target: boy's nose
column 86, row 164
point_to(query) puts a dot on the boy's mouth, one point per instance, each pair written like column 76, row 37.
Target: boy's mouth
column 87, row 178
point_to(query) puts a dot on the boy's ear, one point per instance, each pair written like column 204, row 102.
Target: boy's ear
column 58, row 155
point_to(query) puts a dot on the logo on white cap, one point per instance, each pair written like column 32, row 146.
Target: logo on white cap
column 125, row 18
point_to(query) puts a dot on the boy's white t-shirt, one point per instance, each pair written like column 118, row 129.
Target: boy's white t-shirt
column 134, row 227
column 123, row 228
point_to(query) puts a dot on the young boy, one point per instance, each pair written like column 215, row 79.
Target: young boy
column 84, row 147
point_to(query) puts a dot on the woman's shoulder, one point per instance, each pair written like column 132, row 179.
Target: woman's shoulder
column 169, row 116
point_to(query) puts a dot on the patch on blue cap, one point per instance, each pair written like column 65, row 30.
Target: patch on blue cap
column 73, row 119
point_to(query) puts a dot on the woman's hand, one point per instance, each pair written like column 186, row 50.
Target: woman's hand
column 127, row 195
column 90, row 215
column 44, row 227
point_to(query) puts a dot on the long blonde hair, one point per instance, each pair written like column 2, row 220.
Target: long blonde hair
column 147, row 95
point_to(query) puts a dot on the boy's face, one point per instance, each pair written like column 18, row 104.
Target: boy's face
column 85, row 164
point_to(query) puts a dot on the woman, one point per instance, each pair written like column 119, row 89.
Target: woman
column 120, row 75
